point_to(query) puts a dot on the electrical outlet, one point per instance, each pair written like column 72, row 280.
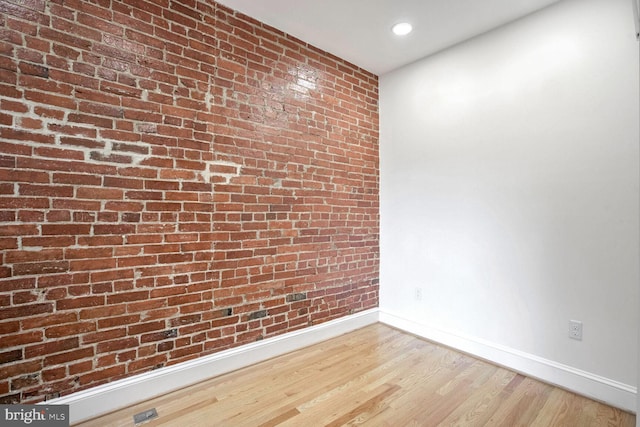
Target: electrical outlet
column 575, row 330
column 418, row 294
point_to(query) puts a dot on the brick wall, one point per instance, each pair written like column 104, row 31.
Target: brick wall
column 175, row 179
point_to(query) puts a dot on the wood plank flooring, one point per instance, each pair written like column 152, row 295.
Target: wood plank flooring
column 375, row 376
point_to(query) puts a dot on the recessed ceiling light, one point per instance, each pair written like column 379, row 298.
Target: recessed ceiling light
column 402, row 29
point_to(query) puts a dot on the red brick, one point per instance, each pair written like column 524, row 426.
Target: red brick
column 89, row 119
column 69, row 329
column 115, row 345
column 100, row 312
column 146, row 327
column 51, row 319
column 80, row 302
column 127, row 297
column 49, row 375
column 107, row 360
column 22, row 339
column 69, row 356
column 65, row 229
column 25, row 311
column 95, row 376
column 157, row 166
column 52, row 347
column 14, row 284
column 147, row 363
column 112, row 322
column 15, row 369
column 9, row 327
column 104, row 335
column 92, row 264
column 24, row 297
column 52, row 100
column 45, row 267
column 80, row 367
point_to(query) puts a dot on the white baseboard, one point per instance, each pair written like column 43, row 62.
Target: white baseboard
column 110, row 397
column 612, row 392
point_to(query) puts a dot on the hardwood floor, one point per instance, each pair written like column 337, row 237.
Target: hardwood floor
column 376, row 376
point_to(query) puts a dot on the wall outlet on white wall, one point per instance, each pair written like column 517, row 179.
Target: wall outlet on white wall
column 418, row 294
column 575, row 329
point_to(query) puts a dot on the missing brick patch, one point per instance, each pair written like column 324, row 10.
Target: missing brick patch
column 170, row 333
column 296, row 297
column 258, row 314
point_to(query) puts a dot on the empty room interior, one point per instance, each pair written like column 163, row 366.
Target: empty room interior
column 283, row 212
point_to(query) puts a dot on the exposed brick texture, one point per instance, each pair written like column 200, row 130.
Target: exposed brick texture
column 175, row 179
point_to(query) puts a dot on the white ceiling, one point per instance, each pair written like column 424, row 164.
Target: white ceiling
column 360, row 30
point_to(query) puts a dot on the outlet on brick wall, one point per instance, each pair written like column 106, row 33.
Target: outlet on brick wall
column 175, row 179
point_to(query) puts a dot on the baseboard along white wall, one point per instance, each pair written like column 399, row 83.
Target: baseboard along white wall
column 596, row 387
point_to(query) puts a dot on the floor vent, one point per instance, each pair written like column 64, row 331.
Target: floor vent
column 145, row 416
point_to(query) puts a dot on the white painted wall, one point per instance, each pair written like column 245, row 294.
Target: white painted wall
column 509, row 188
column 636, row 6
